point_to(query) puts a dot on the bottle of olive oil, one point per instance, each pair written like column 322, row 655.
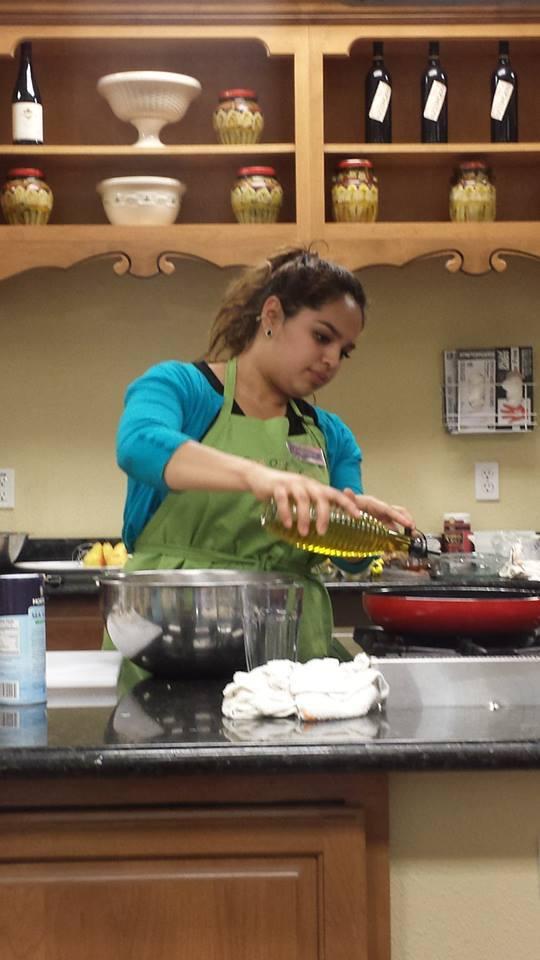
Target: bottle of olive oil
column 346, row 536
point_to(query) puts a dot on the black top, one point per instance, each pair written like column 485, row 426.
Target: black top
column 296, row 424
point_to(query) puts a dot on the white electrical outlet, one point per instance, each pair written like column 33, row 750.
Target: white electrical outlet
column 486, row 480
column 7, row 488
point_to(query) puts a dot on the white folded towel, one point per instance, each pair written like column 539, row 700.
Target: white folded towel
column 322, row 689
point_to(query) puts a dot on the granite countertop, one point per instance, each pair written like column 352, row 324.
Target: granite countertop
column 160, row 728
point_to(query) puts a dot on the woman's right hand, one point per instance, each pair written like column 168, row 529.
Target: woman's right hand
column 287, row 489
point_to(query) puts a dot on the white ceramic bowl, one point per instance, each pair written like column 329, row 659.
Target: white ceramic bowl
column 148, row 99
column 141, row 201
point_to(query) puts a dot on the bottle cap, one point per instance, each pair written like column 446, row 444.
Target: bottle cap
column 263, row 171
column 462, row 517
column 238, row 92
column 433, row 48
column 25, row 172
column 504, row 48
column 351, row 164
column 378, row 48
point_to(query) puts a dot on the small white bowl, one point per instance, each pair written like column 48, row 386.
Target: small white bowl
column 148, row 99
column 141, row 201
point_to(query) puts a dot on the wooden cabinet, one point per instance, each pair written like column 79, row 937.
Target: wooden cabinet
column 242, row 881
column 86, row 143
column 73, row 622
column 414, row 178
column 309, row 78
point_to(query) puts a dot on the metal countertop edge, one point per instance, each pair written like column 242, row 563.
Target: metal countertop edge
column 132, row 762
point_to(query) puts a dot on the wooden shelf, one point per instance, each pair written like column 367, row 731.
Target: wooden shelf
column 145, row 251
column 432, row 152
column 87, row 152
column 141, row 251
column 310, row 83
column 472, row 247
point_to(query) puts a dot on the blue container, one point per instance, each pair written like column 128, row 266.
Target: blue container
column 22, row 639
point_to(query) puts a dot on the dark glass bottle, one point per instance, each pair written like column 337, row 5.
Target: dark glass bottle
column 378, row 99
column 434, row 99
column 504, row 99
column 27, row 111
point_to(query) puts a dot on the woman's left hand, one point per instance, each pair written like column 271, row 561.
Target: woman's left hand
column 390, row 514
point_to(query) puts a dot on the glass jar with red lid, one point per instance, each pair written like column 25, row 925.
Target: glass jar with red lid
column 238, row 117
column 26, row 197
column 355, row 192
column 257, row 195
column 472, row 194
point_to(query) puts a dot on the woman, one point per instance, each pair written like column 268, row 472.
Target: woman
column 204, row 443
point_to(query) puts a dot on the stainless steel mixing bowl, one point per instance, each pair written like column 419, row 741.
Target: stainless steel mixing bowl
column 187, row 623
column 11, row 545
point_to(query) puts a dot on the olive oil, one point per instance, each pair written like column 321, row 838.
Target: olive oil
column 346, row 536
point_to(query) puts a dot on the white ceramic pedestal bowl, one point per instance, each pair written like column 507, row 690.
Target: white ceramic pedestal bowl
column 141, row 201
column 149, row 99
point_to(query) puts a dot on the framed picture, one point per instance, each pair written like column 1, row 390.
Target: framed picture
column 489, row 390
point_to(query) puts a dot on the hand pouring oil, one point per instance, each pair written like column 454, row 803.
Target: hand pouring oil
column 346, row 536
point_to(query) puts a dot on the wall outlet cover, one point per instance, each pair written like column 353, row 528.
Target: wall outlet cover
column 7, row 488
column 486, row 480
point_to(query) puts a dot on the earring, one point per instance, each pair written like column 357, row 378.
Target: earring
column 268, row 332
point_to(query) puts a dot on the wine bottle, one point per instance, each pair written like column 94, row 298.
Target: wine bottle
column 346, row 536
column 434, row 99
column 504, row 99
column 378, row 99
column 27, row 111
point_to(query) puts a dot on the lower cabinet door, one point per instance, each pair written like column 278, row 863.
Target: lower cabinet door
column 161, row 910
column 240, row 885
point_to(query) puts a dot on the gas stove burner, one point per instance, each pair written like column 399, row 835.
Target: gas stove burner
column 376, row 642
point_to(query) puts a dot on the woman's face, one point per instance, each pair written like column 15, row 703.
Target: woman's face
column 306, row 351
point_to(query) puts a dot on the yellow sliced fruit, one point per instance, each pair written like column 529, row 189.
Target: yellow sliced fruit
column 107, row 552
column 94, row 557
column 119, row 556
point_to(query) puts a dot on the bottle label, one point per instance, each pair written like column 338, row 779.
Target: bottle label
column 27, row 121
column 380, row 102
column 22, row 656
column 435, row 101
column 501, row 99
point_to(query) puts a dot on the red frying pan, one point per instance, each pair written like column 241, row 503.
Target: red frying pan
column 472, row 611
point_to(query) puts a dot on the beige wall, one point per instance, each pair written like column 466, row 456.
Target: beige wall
column 72, row 340
column 465, row 869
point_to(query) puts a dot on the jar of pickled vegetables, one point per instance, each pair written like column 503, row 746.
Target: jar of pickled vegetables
column 238, row 117
column 355, row 193
column 26, row 198
column 257, row 195
column 472, row 194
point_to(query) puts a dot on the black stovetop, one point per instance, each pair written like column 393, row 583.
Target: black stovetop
column 376, row 642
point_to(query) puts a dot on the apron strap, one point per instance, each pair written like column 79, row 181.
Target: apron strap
column 229, row 387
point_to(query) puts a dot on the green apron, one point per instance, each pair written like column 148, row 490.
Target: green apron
column 198, row 529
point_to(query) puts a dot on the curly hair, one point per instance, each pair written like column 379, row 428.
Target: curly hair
column 297, row 277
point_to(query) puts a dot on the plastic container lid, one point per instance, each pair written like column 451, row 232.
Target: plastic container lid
column 350, row 164
column 25, row 172
column 263, row 171
column 238, row 92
